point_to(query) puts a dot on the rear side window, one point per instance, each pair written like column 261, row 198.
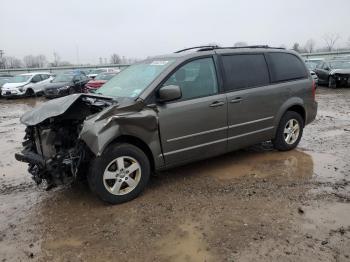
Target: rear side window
column 44, row 76
column 285, row 67
column 245, row 71
column 36, row 78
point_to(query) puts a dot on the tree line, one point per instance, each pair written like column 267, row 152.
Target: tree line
column 329, row 42
column 39, row 61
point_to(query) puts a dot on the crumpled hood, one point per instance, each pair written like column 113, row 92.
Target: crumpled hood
column 54, row 108
column 339, row 71
column 49, row 109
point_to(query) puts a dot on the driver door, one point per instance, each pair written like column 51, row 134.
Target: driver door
column 194, row 126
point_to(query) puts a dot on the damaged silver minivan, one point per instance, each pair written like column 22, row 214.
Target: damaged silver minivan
column 167, row 111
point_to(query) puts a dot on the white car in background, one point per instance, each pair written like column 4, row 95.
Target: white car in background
column 28, row 84
column 94, row 72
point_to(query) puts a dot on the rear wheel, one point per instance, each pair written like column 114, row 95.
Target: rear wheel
column 120, row 174
column 289, row 131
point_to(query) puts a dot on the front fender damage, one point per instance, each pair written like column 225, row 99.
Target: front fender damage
column 134, row 120
column 60, row 142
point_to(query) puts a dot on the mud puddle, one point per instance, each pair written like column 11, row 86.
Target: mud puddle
column 186, row 243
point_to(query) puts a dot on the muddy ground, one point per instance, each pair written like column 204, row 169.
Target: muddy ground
column 252, row 205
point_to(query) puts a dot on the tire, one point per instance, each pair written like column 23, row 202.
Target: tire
column 71, row 90
column 331, row 82
column 29, row 92
column 113, row 184
column 281, row 140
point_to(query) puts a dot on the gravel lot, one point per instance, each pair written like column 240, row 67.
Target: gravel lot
column 251, row 205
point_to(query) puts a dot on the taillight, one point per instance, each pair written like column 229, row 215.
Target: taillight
column 314, row 89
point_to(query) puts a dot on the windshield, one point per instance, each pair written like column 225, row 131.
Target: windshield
column 311, row 65
column 97, row 71
column 340, row 65
column 63, row 78
column 20, row 79
column 4, row 80
column 104, row 76
column 133, row 80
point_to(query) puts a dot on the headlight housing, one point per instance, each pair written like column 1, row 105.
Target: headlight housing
column 64, row 88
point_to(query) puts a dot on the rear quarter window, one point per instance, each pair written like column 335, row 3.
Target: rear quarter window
column 286, row 67
column 245, row 71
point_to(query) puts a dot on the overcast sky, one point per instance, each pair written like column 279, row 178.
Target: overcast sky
column 138, row 29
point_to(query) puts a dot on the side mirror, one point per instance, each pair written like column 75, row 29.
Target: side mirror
column 169, row 93
column 327, row 68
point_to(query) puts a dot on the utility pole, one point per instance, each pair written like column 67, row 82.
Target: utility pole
column 2, row 64
column 77, row 53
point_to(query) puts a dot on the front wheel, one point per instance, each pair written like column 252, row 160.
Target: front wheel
column 289, row 131
column 29, row 92
column 120, row 174
column 331, row 82
column 71, row 90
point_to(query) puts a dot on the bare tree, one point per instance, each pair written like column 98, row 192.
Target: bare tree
column 310, row 46
column 296, row 47
column 34, row 61
column 64, row 63
column 30, row 61
column 115, row 59
column 12, row 62
column 41, row 60
column 330, row 40
column 56, row 59
column 240, row 44
column 283, row 46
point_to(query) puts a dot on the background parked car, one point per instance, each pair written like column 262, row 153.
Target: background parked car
column 98, row 81
column 334, row 73
column 3, row 80
column 311, row 66
column 25, row 84
column 66, row 83
column 94, row 72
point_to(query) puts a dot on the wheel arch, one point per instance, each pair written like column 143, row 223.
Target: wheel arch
column 295, row 104
column 133, row 140
column 298, row 109
column 31, row 90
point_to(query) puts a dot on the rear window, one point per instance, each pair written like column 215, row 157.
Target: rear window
column 245, row 71
column 285, row 67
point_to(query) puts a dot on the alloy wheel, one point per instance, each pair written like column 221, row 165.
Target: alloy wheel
column 122, row 175
column 291, row 131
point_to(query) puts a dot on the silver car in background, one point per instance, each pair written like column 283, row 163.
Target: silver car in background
column 28, row 84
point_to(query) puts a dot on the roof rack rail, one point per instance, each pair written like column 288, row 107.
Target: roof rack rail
column 213, row 47
column 202, row 48
column 252, row 46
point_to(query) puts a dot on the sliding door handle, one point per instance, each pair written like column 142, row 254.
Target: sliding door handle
column 217, row 103
column 236, row 100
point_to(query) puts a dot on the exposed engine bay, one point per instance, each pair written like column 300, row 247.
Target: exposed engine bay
column 52, row 148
